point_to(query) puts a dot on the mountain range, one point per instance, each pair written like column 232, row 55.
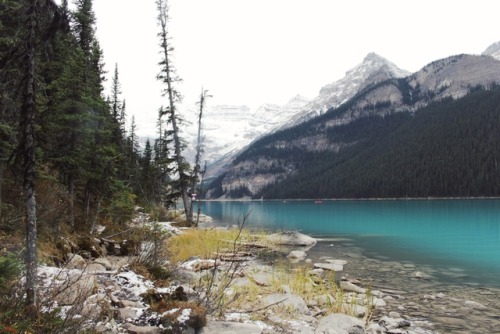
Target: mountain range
column 228, row 128
column 329, row 125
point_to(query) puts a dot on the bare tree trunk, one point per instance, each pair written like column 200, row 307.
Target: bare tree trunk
column 199, row 149
column 202, row 179
column 87, row 203
column 71, row 200
column 28, row 132
column 2, row 170
column 94, row 220
column 181, row 165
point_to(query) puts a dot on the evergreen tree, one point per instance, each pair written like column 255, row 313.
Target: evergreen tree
column 116, row 104
column 12, row 20
column 28, row 146
column 167, row 77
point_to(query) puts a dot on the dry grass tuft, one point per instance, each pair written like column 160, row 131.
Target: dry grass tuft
column 207, row 244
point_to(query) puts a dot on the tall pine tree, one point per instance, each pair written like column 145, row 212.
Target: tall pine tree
column 167, row 77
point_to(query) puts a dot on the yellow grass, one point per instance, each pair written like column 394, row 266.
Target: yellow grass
column 300, row 279
column 207, row 243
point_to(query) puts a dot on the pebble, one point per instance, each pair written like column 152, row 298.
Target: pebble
column 415, row 293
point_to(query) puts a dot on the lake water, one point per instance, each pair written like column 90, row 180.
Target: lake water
column 460, row 236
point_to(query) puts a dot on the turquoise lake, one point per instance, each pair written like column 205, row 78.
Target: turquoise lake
column 459, row 235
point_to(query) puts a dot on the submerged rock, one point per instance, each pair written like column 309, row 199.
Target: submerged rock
column 475, row 305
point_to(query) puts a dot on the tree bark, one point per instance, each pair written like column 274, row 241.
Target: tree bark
column 28, row 131
column 199, row 148
column 71, row 200
column 2, row 169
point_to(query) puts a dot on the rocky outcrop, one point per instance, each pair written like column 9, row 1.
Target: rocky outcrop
column 291, row 238
column 455, row 76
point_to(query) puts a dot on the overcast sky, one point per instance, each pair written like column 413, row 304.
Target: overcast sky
column 250, row 52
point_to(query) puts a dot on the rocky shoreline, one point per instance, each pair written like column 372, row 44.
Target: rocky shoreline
column 444, row 297
column 367, row 301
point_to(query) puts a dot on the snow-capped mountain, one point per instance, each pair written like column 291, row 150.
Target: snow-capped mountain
column 227, row 129
column 374, row 68
column 281, row 156
column 276, row 117
column 493, row 50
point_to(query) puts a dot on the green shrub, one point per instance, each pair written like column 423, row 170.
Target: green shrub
column 10, row 268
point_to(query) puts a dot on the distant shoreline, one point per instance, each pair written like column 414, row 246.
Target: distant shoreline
column 431, row 198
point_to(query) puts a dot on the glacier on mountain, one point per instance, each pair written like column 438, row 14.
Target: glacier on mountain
column 228, row 129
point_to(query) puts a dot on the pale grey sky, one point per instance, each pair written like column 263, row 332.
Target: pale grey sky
column 250, row 52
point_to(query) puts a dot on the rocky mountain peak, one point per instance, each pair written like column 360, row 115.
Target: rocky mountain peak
column 493, row 50
column 373, row 69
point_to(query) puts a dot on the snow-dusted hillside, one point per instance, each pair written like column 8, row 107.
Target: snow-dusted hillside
column 227, row 129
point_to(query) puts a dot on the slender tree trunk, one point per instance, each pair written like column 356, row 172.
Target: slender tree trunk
column 87, row 203
column 71, row 187
column 162, row 18
column 199, row 143
column 202, row 179
column 28, row 132
column 94, row 220
column 2, row 170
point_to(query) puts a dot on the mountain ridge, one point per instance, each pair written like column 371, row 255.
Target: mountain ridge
column 451, row 77
column 372, row 69
column 222, row 146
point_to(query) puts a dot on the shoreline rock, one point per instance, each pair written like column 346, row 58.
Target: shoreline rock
column 120, row 289
column 291, row 238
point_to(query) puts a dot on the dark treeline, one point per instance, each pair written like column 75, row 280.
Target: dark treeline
column 89, row 167
column 450, row 148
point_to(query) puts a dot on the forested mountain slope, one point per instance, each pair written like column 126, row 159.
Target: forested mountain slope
column 438, row 146
column 447, row 149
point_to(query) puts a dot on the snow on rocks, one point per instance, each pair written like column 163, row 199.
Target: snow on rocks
column 109, row 284
column 197, row 264
column 167, row 226
column 132, row 285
